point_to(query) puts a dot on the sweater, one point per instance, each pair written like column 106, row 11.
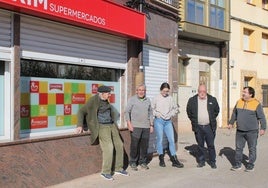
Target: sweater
column 164, row 107
column 139, row 112
column 248, row 115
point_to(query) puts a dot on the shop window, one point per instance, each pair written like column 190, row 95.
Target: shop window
column 52, row 94
column 248, row 41
column 217, row 14
column 265, row 95
column 196, row 11
column 67, row 71
column 264, row 43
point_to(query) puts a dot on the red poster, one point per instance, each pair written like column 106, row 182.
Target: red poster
column 39, row 122
column 24, row 111
column 56, row 87
column 67, row 109
column 78, row 98
column 94, row 88
column 34, row 86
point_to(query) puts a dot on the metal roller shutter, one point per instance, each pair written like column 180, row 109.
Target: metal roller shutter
column 5, row 35
column 77, row 45
column 5, row 29
column 155, row 61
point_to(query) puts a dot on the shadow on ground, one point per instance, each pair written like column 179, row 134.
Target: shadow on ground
column 229, row 153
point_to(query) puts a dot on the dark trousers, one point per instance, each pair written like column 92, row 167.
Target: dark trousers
column 204, row 134
column 240, row 140
column 139, row 145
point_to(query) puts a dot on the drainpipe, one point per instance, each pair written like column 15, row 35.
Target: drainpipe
column 139, row 78
column 228, row 80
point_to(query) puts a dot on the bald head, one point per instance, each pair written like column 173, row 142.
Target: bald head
column 202, row 91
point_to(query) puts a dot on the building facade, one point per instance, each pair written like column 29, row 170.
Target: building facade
column 204, row 31
column 249, row 49
column 53, row 56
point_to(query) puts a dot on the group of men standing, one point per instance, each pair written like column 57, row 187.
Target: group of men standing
column 144, row 117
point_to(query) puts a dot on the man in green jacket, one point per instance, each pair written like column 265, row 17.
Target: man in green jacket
column 101, row 120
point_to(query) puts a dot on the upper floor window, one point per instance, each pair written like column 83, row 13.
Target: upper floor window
column 196, row 11
column 173, row 3
column 217, row 14
column 248, row 40
column 264, row 43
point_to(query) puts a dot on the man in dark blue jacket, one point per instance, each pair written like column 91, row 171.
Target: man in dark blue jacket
column 202, row 110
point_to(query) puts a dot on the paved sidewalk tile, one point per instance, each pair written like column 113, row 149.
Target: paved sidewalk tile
column 190, row 175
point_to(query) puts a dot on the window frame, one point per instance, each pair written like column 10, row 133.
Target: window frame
column 264, row 95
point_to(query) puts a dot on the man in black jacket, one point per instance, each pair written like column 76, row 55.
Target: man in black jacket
column 202, row 110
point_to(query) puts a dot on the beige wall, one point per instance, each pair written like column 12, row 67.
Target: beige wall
column 253, row 64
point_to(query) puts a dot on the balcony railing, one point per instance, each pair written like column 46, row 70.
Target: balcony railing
column 174, row 3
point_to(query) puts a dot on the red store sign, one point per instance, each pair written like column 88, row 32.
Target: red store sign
column 103, row 15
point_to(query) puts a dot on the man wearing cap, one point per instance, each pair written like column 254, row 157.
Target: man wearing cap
column 101, row 120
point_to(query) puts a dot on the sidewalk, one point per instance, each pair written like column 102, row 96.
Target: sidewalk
column 189, row 176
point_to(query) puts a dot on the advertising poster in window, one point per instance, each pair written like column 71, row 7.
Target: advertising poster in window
column 52, row 104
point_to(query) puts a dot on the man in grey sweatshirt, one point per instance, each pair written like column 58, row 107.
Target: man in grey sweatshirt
column 251, row 121
column 139, row 119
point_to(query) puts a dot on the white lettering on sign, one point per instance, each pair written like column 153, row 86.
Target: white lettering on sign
column 63, row 10
column 76, row 14
column 34, row 3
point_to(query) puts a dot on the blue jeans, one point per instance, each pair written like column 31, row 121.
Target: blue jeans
column 162, row 126
column 241, row 138
column 204, row 134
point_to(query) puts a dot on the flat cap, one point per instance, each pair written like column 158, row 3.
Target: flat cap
column 104, row 89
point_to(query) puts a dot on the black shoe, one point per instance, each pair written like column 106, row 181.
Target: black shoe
column 249, row 168
column 213, row 165
column 236, row 167
column 176, row 162
column 200, row 165
column 162, row 161
column 134, row 167
column 144, row 166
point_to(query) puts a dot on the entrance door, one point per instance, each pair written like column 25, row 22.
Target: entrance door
column 2, row 68
column 204, row 77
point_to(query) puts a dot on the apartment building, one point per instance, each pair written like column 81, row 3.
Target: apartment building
column 249, row 50
column 204, row 31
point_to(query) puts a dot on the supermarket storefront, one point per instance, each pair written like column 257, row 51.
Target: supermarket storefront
column 66, row 51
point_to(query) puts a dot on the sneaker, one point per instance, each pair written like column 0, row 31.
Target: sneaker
column 249, row 168
column 107, row 176
column 200, row 165
column 236, row 167
column 134, row 167
column 122, row 172
column 144, row 166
